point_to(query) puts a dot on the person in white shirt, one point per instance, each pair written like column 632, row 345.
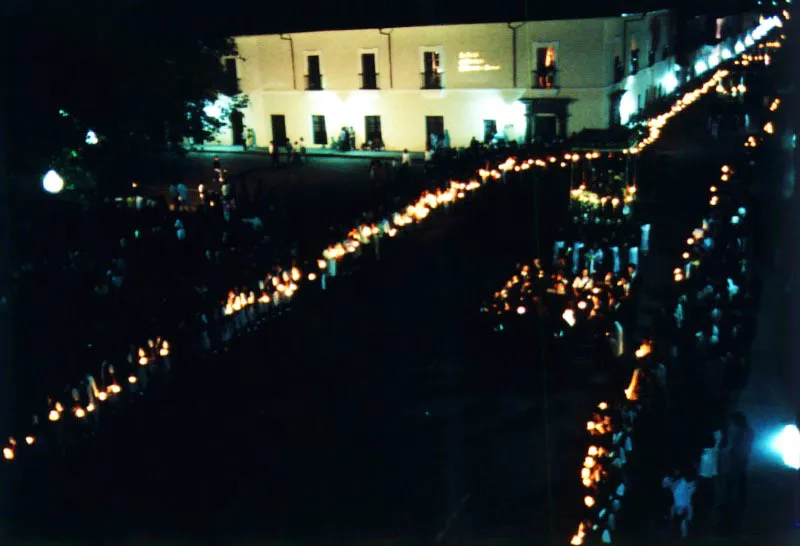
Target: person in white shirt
column 633, row 255
column 583, row 283
column 682, row 492
column 557, row 248
column 576, row 256
column 406, row 159
column 645, row 243
column 615, row 255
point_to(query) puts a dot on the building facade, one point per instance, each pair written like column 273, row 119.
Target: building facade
column 526, row 80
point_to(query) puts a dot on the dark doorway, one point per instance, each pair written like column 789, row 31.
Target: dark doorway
column 489, row 130
column 369, row 76
column 237, row 126
column 545, row 128
column 614, row 119
column 434, row 125
column 319, row 130
column 279, row 130
column 373, row 128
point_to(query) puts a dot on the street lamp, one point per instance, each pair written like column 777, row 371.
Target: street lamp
column 52, row 182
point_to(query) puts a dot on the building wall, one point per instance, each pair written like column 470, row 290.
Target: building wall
column 585, row 54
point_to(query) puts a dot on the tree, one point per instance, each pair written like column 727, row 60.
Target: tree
column 139, row 80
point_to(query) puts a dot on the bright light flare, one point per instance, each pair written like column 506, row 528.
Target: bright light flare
column 787, row 444
column 52, row 182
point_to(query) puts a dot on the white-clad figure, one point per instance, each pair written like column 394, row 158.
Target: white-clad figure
column 617, row 340
column 576, row 256
column 633, row 256
column 615, row 255
column 558, row 246
column 599, row 256
column 732, row 289
column 645, row 243
column 591, row 258
column 682, row 492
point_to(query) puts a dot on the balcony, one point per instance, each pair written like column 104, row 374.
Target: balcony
column 431, row 80
column 314, row 82
column 369, row 80
column 544, row 79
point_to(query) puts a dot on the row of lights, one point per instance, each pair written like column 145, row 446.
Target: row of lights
column 590, row 476
column 147, row 358
column 285, row 283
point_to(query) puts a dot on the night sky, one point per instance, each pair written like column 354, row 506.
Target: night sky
column 259, row 17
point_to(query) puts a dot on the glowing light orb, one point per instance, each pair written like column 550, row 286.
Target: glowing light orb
column 52, row 182
column 521, row 310
column 787, row 444
column 91, row 138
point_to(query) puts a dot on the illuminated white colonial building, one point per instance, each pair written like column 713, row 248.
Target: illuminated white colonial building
column 522, row 80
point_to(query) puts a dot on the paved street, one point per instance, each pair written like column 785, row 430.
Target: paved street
column 371, row 410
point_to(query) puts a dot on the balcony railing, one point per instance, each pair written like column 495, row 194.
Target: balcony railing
column 544, row 79
column 431, row 80
column 314, row 82
column 369, row 80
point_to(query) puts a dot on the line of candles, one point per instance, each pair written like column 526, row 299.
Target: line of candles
column 592, row 472
column 111, row 388
column 285, row 282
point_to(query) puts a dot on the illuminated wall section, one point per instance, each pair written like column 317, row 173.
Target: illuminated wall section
column 402, row 114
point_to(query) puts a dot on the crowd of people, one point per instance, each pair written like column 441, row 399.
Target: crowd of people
column 686, row 373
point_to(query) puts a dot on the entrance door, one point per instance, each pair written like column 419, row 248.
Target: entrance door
column 373, row 129
column 434, row 125
column 613, row 113
column 237, row 126
column 319, row 130
column 489, row 130
column 279, row 130
column 545, row 128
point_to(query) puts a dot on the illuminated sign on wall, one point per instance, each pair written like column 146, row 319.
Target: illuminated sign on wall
column 471, row 61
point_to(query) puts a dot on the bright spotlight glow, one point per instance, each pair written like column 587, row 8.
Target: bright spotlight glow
column 726, row 54
column 627, row 107
column 787, row 444
column 91, row 137
column 52, row 182
column 748, row 40
column 700, row 67
column 217, row 109
column 569, row 317
column 739, row 47
column 669, row 82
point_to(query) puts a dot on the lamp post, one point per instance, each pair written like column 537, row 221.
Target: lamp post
column 52, row 182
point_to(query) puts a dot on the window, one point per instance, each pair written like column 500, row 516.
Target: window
column 634, row 61
column 231, row 85
column 431, row 68
column 489, row 130
column 655, row 39
column 719, row 27
column 313, row 73
column 319, row 131
column 544, row 76
column 372, row 125
column 369, row 71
